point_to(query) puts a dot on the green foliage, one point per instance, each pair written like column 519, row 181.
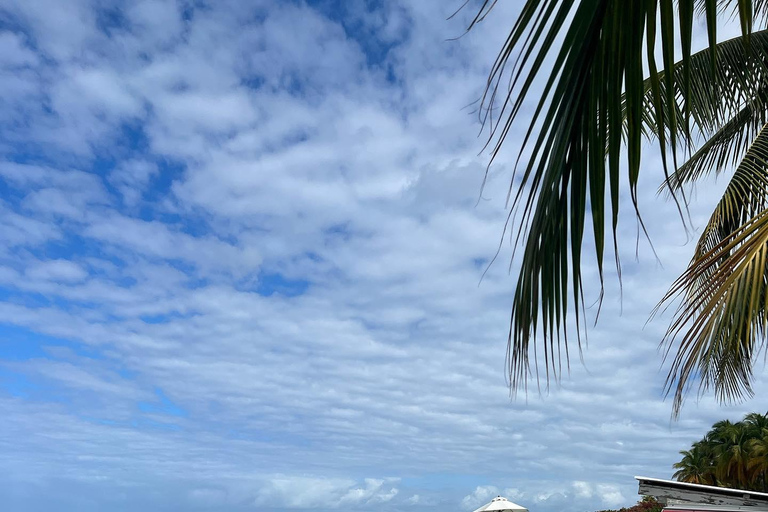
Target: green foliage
column 647, row 504
column 581, row 62
column 729, row 455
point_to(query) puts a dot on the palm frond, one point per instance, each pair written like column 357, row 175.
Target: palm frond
column 721, row 321
column 722, row 326
column 592, row 92
column 723, row 149
column 728, row 114
column 759, row 8
column 745, row 196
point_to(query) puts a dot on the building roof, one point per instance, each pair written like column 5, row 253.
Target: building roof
column 701, row 494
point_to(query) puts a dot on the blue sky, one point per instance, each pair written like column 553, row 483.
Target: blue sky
column 240, row 270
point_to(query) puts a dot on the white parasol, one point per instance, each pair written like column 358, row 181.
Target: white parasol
column 499, row 504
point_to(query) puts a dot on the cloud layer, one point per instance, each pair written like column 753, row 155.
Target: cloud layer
column 241, row 260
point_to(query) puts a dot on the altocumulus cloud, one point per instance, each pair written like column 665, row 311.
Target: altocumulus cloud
column 239, row 261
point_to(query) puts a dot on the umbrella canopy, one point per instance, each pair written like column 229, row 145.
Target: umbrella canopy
column 499, row 504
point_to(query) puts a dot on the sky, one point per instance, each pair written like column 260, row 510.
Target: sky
column 241, row 253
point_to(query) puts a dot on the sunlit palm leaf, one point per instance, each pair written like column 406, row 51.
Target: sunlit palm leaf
column 724, row 350
column 721, row 321
column 745, row 196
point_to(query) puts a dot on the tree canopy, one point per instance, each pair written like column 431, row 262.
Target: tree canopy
column 729, row 455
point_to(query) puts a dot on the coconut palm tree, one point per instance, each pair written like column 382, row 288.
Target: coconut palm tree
column 582, row 63
column 730, row 454
column 719, row 438
column 695, row 467
column 758, row 463
column 756, row 423
column 733, row 457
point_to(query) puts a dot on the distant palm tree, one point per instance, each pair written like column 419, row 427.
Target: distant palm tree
column 756, row 422
column 758, row 464
column 583, row 60
column 730, row 454
column 695, row 467
column 733, row 458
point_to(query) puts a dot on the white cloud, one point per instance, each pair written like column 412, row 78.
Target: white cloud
column 582, row 489
column 57, row 270
column 481, row 495
column 99, row 92
column 311, row 492
column 512, row 493
column 611, row 495
column 19, row 229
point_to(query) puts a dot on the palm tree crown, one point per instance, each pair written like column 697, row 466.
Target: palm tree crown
column 695, row 467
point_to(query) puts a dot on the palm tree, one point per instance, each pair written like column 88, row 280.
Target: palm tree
column 719, row 438
column 588, row 124
column 734, row 456
column 695, row 466
column 756, row 422
column 730, row 454
column 758, row 463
